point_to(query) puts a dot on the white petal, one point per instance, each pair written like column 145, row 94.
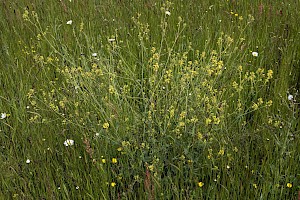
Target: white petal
column 254, row 53
column 3, row 115
column 69, row 142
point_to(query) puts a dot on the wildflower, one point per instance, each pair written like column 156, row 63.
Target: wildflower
column 255, row 106
column 111, row 39
column 26, row 15
column 168, row 13
column 290, row 98
column 119, row 149
column 181, row 124
column 289, row 185
column 3, row 115
column 105, row 125
column 221, row 152
column 94, row 54
column 77, row 187
column 28, row 161
column 269, row 103
column 81, row 26
column 114, row 160
column 270, row 74
column 235, row 149
column 254, row 53
column 113, row 184
column 103, row 161
column 200, row 184
column 208, row 121
column 151, row 167
column 69, row 142
column 69, row 22
column 254, row 185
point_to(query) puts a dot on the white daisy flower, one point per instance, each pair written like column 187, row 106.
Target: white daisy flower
column 168, row 13
column 94, row 54
column 290, row 97
column 28, row 161
column 69, row 142
column 254, row 53
column 69, row 22
column 3, row 115
column 111, row 39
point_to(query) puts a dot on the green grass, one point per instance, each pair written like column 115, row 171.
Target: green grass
column 173, row 106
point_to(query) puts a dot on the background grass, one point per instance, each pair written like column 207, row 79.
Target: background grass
column 171, row 107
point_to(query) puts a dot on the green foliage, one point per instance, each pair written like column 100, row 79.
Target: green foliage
column 149, row 100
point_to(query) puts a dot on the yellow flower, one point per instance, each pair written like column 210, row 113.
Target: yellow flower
column 114, row 160
column 151, row 167
column 240, row 68
column 181, row 124
column 289, row 185
column 119, row 149
column 255, row 106
column 269, row 103
column 270, row 74
column 200, row 184
column 254, row 185
column 106, row 125
column 221, row 152
column 200, row 136
column 103, row 160
column 113, row 184
column 207, row 121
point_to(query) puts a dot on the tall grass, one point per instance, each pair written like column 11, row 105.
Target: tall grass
column 163, row 100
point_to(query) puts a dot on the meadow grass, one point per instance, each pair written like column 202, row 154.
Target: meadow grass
column 149, row 99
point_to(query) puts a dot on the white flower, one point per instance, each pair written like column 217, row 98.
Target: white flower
column 94, row 54
column 69, row 22
column 111, row 39
column 254, row 53
column 28, row 161
column 168, row 13
column 290, row 97
column 3, row 115
column 69, row 142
